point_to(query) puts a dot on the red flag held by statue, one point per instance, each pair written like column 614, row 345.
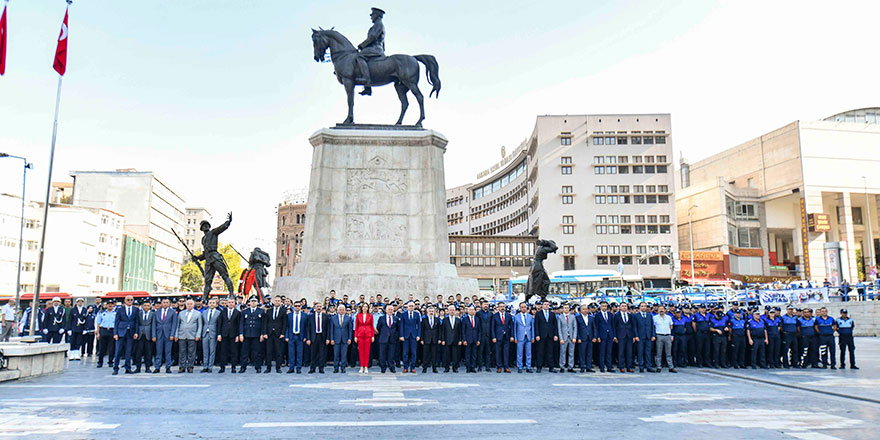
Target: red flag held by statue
column 60, row 64
column 3, row 42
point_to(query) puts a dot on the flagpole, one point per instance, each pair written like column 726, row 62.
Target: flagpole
column 36, row 301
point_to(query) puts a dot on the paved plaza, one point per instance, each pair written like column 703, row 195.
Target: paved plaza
column 86, row 402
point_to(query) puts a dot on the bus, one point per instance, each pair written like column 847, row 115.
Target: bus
column 570, row 284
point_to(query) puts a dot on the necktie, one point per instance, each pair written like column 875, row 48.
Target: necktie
column 319, row 323
column 431, row 321
column 502, row 319
column 145, row 316
column 230, row 314
column 163, row 314
column 340, row 320
column 211, row 314
column 296, row 323
column 410, row 315
column 275, row 313
column 389, row 321
column 472, row 321
column 643, row 314
column 624, row 318
column 546, row 316
column 566, row 319
column 524, row 319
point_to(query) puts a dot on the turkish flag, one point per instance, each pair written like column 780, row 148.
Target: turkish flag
column 3, row 42
column 61, row 52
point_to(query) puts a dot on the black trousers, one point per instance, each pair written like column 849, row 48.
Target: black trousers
column 791, row 352
column 250, row 352
column 738, row 350
column 585, row 353
column 88, row 346
column 502, row 352
column 846, row 342
column 773, row 345
column 719, row 350
column 77, row 340
column 484, row 355
column 106, row 345
column 429, row 355
column 810, row 350
column 679, row 350
column 691, row 349
column 543, row 355
column 318, row 351
column 451, row 356
column 758, row 350
column 826, row 350
column 144, row 350
column 273, row 350
column 470, row 355
column 625, row 353
column 386, row 354
column 704, row 357
column 227, row 352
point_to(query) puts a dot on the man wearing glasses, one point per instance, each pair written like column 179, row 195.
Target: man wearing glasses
column 125, row 333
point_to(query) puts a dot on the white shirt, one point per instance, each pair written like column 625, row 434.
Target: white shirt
column 662, row 324
column 8, row 312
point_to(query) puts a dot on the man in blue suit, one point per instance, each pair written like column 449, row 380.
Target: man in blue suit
column 624, row 332
column 586, row 335
column 296, row 332
column 502, row 335
column 523, row 336
column 387, row 332
column 545, row 330
column 604, row 336
column 166, row 329
column 643, row 322
column 341, row 332
column 470, row 336
column 410, row 334
column 124, row 333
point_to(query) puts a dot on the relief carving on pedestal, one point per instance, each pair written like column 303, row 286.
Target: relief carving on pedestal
column 373, row 229
column 390, row 181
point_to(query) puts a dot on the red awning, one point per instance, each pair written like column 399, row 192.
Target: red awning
column 45, row 296
column 135, row 294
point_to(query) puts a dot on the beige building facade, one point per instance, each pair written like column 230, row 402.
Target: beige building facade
column 799, row 202
column 290, row 229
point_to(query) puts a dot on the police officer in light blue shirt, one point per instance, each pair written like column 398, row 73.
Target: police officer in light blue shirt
column 845, row 326
column 826, row 326
column 809, row 339
column 104, row 324
column 791, row 351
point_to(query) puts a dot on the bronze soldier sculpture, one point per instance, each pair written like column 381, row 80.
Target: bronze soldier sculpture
column 370, row 67
column 258, row 262
column 214, row 262
column 539, row 281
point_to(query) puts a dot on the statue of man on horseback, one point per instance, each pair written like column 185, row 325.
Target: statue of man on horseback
column 373, row 46
column 367, row 65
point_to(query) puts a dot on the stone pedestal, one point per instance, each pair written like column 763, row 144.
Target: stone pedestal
column 37, row 359
column 376, row 218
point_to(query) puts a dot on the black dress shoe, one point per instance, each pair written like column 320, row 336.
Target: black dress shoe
column 233, row 369
column 243, row 369
column 602, row 370
column 203, row 370
column 291, row 371
column 138, row 370
column 268, row 370
column 435, row 370
column 392, row 370
column 590, row 370
column 311, row 371
column 336, row 370
column 424, row 370
column 672, row 370
column 168, row 371
column 538, row 369
column 156, row 371
column 446, row 370
column 258, row 369
column 189, row 370
column 129, row 372
column 321, row 370
column 223, row 370
column 528, row 370
column 570, row 370
column 99, row 365
column 181, row 370
column 115, row 372
column 552, row 370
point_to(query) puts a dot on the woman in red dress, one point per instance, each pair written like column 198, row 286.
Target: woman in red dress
column 364, row 335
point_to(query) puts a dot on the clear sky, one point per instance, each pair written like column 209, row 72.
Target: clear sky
column 219, row 97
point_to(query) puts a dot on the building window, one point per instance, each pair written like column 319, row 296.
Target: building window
column 568, row 229
column 568, row 219
column 662, row 199
column 749, row 237
column 601, row 260
column 649, row 169
column 638, row 199
column 636, row 140
column 611, row 170
column 748, row 211
column 660, row 139
column 649, row 140
column 637, row 159
column 663, row 188
column 601, row 229
column 599, row 159
column 610, row 140
column 664, row 219
column 649, row 159
column 597, row 170
column 565, row 170
column 565, row 159
column 857, row 215
column 568, row 262
column 598, row 141
column 638, row 169
column 640, row 229
column 567, row 200
column 622, row 170
column 568, row 250
column 567, row 189
column 600, row 200
column 622, row 159
column 661, row 159
column 661, row 169
column 621, row 140
column 565, row 140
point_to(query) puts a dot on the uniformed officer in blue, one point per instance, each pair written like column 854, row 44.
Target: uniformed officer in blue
column 791, row 352
column 251, row 333
column 774, row 342
column 701, row 328
column 719, row 329
column 738, row 339
column 845, row 326
column 826, row 326
column 809, row 339
column 757, row 340
column 679, row 338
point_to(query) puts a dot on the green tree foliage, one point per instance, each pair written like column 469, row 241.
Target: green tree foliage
column 191, row 279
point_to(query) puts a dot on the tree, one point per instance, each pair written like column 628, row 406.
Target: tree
column 191, row 278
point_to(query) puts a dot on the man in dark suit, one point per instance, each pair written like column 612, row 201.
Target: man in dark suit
column 484, row 351
column 645, row 334
column 274, row 328
column 124, row 333
column 451, row 340
column 317, row 338
column 624, row 332
column 470, row 335
column 227, row 336
column 144, row 344
column 586, row 335
column 502, row 335
column 387, row 334
column 604, row 336
column 430, row 338
column 250, row 331
column 410, row 333
column 166, row 331
column 341, row 334
column 545, row 336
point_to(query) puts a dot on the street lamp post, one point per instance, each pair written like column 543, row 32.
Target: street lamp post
column 26, row 167
column 870, row 241
column 691, row 236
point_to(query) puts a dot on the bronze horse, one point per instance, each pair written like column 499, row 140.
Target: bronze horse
column 402, row 70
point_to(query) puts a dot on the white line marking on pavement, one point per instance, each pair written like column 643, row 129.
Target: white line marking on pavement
column 687, row 397
column 387, row 390
column 782, row 420
column 665, row 384
column 811, row 436
column 369, row 423
column 107, row 386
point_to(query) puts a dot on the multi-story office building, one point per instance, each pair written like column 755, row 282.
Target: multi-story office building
column 291, row 225
column 799, row 202
column 151, row 208
column 82, row 253
column 138, row 263
column 193, row 235
column 601, row 186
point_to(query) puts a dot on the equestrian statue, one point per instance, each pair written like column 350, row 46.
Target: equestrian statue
column 367, row 65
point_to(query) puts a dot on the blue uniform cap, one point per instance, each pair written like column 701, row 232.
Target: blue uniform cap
column 843, row 311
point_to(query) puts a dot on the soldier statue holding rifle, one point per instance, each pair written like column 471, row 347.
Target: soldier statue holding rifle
column 214, row 262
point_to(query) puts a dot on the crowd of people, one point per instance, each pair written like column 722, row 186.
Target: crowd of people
column 440, row 334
